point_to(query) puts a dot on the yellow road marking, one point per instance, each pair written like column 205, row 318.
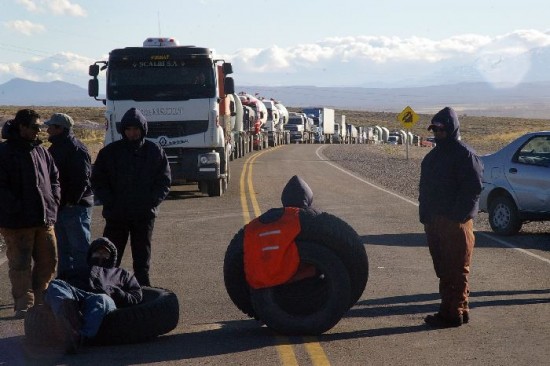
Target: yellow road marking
column 283, row 346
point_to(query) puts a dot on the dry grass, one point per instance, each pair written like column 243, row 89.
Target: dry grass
column 485, row 134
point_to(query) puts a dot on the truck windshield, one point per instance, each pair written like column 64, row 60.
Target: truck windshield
column 160, row 80
column 295, row 121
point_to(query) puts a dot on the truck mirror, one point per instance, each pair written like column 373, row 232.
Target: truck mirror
column 229, row 86
column 93, row 87
column 93, row 70
column 227, row 68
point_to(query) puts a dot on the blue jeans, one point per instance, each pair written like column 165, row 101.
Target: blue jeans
column 72, row 230
column 93, row 307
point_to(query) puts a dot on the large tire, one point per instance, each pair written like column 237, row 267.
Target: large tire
column 331, row 282
column 332, row 232
column 234, row 277
column 504, row 217
column 157, row 314
column 325, row 230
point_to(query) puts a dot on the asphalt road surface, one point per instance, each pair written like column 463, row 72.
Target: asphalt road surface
column 510, row 300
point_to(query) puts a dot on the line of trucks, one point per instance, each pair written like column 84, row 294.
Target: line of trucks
column 194, row 113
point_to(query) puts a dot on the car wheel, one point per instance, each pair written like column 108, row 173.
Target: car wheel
column 504, row 216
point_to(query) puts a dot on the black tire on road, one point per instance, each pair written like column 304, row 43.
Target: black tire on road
column 157, row 314
column 332, row 281
column 332, row 232
column 325, row 230
column 504, row 217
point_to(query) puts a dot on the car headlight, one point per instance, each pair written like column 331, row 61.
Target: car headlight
column 209, row 158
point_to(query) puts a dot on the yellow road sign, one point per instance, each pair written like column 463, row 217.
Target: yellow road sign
column 408, row 117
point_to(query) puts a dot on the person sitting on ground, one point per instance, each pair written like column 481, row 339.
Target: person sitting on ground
column 85, row 296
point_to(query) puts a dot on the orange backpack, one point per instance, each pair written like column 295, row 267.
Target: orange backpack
column 270, row 254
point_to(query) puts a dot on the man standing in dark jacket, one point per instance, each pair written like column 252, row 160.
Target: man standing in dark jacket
column 72, row 159
column 81, row 301
column 450, row 184
column 131, row 177
column 29, row 199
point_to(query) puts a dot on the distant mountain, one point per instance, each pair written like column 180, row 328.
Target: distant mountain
column 53, row 93
column 526, row 100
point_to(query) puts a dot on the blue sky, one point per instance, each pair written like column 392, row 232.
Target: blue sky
column 284, row 42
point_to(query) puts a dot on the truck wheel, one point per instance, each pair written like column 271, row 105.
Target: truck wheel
column 332, row 281
column 215, row 187
column 504, row 216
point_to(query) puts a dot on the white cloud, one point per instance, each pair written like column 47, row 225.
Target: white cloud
column 24, row 26
column 56, row 7
column 64, row 66
column 363, row 59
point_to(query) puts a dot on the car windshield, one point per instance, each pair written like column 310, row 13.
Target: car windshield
column 295, row 121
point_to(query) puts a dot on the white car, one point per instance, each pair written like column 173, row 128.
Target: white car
column 516, row 183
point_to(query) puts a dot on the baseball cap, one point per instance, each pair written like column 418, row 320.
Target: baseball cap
column 60, row 119
column 435, row 124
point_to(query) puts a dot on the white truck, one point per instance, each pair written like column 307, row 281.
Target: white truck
column 179, row 89
column 323, row 118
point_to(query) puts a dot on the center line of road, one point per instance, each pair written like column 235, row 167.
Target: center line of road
column 283, row 346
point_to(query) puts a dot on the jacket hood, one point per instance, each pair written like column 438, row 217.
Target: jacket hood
column 449, row 119
column 133, row 117
column 99, row 242
column 297, row 193
column 9, row 130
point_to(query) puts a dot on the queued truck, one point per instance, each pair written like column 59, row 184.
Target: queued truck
column 179, row 89
column 323, row 119
column 300, row 127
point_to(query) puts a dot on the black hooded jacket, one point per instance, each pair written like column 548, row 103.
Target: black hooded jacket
column 120, row 284
column 296, row 193
column 29, row 182
column 75, row 167
column 131, row 178
column 450, row 176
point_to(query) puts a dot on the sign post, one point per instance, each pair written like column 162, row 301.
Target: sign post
column 408, row 118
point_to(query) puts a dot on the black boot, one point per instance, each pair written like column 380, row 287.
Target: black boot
column 438, row 321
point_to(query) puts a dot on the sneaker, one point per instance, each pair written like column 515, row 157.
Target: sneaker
column 71, row 322
column 438, row 321
column 20, row 314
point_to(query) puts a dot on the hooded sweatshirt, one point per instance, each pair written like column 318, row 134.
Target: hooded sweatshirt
column 118, row 283
column 450, row 175
column 131, row 178
column 29, row 182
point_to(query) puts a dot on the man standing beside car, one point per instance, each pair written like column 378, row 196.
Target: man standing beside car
column 450, row 184
column 131, row 177
column 73, row 161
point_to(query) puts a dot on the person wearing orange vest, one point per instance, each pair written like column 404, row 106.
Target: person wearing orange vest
column 270, row 253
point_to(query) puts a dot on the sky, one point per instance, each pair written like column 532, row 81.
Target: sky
column 388, row 43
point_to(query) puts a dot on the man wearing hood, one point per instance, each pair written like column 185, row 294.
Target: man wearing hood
column 131, row 177
column 81, row 301
column 270, row 253
column 73, row 161
column 29, row 199
column 450, row 184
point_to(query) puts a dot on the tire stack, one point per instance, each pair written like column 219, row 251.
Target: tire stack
column 157, row 314
column 313, row 305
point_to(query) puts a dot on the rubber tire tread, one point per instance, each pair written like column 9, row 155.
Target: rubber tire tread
column 157, row 314
column 334, row 233
column 324, row 315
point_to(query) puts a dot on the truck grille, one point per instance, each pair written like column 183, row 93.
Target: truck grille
column 174, row 128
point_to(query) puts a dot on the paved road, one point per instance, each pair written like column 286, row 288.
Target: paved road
column 510, row 300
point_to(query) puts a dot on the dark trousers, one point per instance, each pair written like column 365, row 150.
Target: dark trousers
column 451, row 245
column 140, row 232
